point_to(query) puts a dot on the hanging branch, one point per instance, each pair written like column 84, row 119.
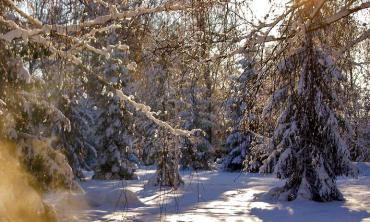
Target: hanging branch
column 34, row 35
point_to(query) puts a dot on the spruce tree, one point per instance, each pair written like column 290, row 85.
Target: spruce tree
column 245, row 148
column 114, row 140
column 309, row 149
column 236, row 107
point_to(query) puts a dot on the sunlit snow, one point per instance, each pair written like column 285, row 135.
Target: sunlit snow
column 220, row 196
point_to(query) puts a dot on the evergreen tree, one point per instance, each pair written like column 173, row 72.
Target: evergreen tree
column 114, row 142
column 147, row 143
column 309, row 150
column 113, row 133
column 245, row 149
column 197, row 155
column 78, row 143
column 237, row 105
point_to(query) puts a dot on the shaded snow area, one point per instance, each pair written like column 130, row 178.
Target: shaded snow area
column 219, row 196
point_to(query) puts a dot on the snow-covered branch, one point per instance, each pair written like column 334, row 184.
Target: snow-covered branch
column 146, row 111
column 34, row 35
column 276, row 98
column 114, row 15
column 53, row 112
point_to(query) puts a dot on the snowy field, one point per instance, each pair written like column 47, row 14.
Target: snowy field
column 219, row 196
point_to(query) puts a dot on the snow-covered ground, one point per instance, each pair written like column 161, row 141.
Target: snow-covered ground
column 219, row 196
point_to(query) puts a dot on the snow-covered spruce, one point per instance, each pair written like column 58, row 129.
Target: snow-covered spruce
column 197, row 153
column 78, row 143
column 258, row 152
column 246, row 151
column 239, row 103
column 113, row 137
column 237, row 146
column 309, row 151
column 114, row 140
